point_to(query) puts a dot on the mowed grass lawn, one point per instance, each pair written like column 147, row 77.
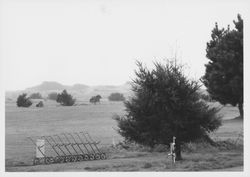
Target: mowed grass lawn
column 96, row 119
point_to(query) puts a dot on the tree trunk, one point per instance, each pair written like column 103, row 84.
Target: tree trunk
column 178, row 151
column 240, row 106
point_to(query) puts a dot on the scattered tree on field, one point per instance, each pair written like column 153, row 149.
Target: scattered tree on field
column 36, row 96
column 23, row 101
column 166, row 104
column 65, row 99
column 224, row 72
column 53, row 96
column 40, row 104
column 116, row 97
column 95, row 99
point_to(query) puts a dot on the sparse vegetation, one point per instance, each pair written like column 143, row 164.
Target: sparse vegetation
column 23, row 101
column 166, row 104
column 65, row 99
column 36, row 96
column 116, row 97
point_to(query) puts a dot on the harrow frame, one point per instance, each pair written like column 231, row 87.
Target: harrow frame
column 68, row 147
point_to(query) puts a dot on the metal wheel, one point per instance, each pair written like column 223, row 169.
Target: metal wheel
column 85, row 157
column 74, row 158
column 103, row 156
column 79, row 158
column 47, row 160
column 56, row 159
column 97, row 156
column 67, row 159
column 36, row 161
column 62, row 159
column 91, row 157
column 71, row 158
column 42, row 160
column 51, row 160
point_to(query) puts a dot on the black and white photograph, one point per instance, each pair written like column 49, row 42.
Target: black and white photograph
column 124, row 86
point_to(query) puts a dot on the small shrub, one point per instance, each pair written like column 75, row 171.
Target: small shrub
column 95, row 99
column 40, row 104
column 23, row 101
column 65, row 99
column 116, row 97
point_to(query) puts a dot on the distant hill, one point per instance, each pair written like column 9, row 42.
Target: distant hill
column 79, row 91
column 48, row 86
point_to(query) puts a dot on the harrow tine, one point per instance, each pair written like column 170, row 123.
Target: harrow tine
column 71, row 144
column 44, row 137
column 82, row 142
column 63, row 144
column 76, row 142
column 89, row 143
column 56, row 144
column 88, row 136
column 31, row 140
column 94, row 142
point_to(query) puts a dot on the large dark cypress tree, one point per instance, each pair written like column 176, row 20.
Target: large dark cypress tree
column 166, row 104
column 224, row 72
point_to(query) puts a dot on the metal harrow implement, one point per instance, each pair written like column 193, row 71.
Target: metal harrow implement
column 66, row 147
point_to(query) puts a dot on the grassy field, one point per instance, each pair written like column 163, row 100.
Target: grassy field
column 52, row 119
column 97, row 120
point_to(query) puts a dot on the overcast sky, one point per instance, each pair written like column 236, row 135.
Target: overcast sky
column 96, row 42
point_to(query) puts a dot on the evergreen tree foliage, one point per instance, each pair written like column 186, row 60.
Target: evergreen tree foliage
column 23, row 101
column 224, row 71
column 116, row 97
column 65, row 99
column 166, row 104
